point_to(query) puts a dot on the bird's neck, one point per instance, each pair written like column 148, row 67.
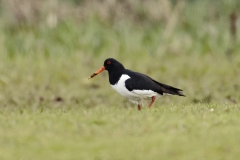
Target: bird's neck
column 114, row 75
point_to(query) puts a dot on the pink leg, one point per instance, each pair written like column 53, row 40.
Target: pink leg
column 139, row 107
column 153, row 99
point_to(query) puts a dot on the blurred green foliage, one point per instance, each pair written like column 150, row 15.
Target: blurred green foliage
column 190, row 44
column 152, row 27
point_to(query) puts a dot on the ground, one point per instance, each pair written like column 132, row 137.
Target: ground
column 199, row 131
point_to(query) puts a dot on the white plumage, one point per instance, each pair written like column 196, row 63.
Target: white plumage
column 136, row 96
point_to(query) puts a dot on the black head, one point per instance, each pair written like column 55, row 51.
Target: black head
column 112, row 64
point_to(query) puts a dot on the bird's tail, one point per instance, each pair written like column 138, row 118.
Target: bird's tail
column 170, row 90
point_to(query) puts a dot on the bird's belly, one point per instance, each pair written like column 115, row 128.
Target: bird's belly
column 145, row 93
column 121, row 89
column 134, row 94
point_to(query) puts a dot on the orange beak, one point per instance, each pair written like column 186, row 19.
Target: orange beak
column 97, row 72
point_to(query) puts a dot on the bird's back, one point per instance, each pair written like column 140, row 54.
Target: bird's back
column 139, row 81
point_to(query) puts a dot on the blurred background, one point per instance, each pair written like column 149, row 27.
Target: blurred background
column 48, row 49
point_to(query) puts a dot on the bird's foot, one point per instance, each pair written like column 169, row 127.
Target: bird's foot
column 153, row 99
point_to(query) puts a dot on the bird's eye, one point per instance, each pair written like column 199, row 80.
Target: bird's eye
column 108, row 62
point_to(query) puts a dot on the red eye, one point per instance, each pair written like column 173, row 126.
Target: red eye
column 108, row 62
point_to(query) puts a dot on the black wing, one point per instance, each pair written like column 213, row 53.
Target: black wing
column 140, row 81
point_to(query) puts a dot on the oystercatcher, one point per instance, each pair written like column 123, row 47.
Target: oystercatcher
column 133, row 85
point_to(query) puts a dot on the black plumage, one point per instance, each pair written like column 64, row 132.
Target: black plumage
column 135, row 81
column 138, row 80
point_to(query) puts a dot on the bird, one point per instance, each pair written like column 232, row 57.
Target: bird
column 134, row 85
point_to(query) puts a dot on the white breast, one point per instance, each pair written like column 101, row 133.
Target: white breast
column 121, row 88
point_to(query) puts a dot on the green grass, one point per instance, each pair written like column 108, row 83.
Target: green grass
column 50, row 110
column 199, row 131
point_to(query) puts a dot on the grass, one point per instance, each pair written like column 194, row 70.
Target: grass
column 199, row 131
column 49, row 109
